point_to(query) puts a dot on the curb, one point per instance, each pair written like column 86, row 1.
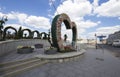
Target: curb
column 61, row 57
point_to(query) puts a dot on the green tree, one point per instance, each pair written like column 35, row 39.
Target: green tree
column 20, row 33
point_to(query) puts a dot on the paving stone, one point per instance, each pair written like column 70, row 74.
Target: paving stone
column 85, row 66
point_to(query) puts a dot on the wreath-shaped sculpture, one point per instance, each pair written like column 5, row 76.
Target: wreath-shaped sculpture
column 30, row 32
column 45, row 35
column 5, row 30
column 38, row 34
column 56, row 30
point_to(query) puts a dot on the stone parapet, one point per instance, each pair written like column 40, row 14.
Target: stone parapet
column 11, row 45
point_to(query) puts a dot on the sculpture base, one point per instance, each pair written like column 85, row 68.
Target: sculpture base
column 51, row 51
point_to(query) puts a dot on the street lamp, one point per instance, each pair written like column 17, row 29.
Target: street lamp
column 95, row 40
column 2, row 21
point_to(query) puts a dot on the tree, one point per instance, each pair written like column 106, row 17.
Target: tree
column 20, row 33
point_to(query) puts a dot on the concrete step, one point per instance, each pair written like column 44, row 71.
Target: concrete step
column 18, row 67
column 5, row 64
column 17, row 64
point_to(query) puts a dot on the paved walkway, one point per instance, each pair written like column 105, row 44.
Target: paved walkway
column 13, row 56
column 94, row 63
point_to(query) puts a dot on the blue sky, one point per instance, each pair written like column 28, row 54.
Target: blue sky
column 91, row 16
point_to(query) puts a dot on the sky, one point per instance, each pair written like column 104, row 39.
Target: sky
column 101, row 17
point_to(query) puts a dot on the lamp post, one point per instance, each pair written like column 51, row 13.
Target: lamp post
column 2, row 21
column 95, row 40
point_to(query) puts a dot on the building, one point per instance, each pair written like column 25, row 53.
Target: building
column 113, row 37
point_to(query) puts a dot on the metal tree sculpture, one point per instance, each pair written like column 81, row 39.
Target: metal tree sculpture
column 2, row 21
column 20, row 33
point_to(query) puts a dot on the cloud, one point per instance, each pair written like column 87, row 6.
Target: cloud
column 17, row 26
column 15, row 16
column 81, row 28
column 51, row 2
column 104, row 31
column 109, row 30
column 68, row 32
column 95, row 3
column 87, row 24
column 21, row 17
column 30, row 21
column 38, row 22
column 109, row 8
column 76, row 9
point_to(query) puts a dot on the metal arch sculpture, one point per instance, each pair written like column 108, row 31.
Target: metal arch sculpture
column 74, row 33
column 9, row 27
column 38, row 34
column 30, row 33
column 56, row 30
column 45, row 35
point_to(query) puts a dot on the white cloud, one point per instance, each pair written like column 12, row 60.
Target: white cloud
column 105, row 31
column 95, row 3
column 21, row 17
column 1, row 14
column 51, row 2
column 17, row 26
column 109, row 30
column 31, row 21
column 11, row 16
column 83, row 25
column 15, row 16
column 76, row 9
column 109, row 8
column 81, row 28
column 38, row 22
column 87, row 24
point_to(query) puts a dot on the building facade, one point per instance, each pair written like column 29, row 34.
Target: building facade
column 113, row 37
